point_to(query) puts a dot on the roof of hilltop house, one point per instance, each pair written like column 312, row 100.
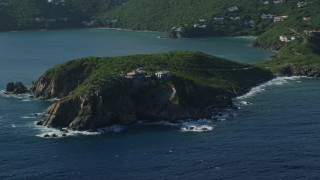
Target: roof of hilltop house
column 137, row 73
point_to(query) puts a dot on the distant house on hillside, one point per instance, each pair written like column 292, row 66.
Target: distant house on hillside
column 265, row 2
column 218, row 19
column 306, row 18
column 177, row 29
column 233, row 8
column 163, row 75
column 266, row 16
column 278, row 1
column 279, row 18
column 284, row 38
column 200, row 26
column 301, row 4
column 138, row 73
column 57, row 2
column 235, row 18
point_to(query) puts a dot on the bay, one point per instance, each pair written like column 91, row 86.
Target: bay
column 275, row 134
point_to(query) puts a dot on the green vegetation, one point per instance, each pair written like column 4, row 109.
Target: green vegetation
column 162, row 15
column 40, row 14
column 183, row 18
column 218, row 75
column 297, row 58
column 299, row 55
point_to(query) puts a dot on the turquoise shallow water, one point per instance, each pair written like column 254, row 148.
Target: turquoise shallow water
column 274, row 136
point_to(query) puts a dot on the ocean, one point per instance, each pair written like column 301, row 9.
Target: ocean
column 274, row 134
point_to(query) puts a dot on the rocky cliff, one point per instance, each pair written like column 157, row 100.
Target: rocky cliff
column 94, row 95
column 125, row 101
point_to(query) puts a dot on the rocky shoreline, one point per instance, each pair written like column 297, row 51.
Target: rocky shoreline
column 87, row 102
column 96, row 111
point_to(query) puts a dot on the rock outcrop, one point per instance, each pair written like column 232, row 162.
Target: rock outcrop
column 50, row 86
column 294, row 70
column 125, row 101
column 16, row 88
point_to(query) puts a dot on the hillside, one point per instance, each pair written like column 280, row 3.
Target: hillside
column 266, row 19
column 246, row 18
column 52, row 14
column 220, row 17
column 96, row 92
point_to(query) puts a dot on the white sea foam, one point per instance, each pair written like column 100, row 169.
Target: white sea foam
column 197, row 128
column 59, row 134
column 274, row 82
column 76, row 133
column 28, row 117
column 244, row 103
column 54, row 99
column 13, row 126
column 164, row 123
column 25, row 96
column 201, row 125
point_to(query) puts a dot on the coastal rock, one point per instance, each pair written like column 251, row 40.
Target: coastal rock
column 294, row 70
column 58, row 85
column 16, row 88
column 140, row 100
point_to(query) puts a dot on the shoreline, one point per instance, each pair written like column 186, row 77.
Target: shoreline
column 124, row 29
column 79, row 28
column 247, row 37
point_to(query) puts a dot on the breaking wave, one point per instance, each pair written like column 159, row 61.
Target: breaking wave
column 56, row 133
column 279, row 81
column 28, row 117
column 201, row 125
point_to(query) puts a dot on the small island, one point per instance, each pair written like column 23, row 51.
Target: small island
column 96, row 92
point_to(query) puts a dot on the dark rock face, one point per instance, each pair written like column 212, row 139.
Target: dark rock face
column 293, row 70
column 125, row 101
column 49, row 86
column 16, row 88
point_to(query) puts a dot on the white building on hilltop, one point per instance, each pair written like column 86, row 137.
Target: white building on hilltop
column 279, row 18
column 163, row 74
column 138, row 73
column 284, row 38
column 233, row 8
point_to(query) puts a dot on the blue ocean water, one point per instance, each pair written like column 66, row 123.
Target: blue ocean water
column 275, row 134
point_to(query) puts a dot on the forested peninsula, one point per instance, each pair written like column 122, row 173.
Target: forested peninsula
column 97, row 92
